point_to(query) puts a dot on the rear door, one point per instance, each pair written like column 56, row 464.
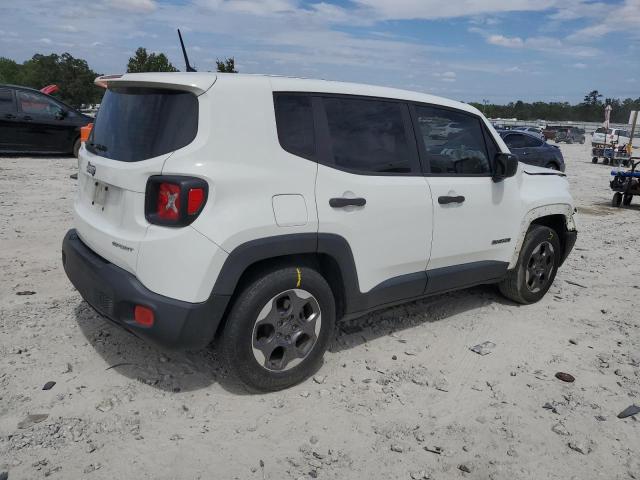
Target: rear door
column 475, row 219
column 135, row 132
column 370, row 189
column 8, row 120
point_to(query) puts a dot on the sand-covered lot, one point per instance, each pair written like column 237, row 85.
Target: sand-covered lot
column 400, row 395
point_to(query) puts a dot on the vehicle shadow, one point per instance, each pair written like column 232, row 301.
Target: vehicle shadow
column 361, row 330
column 184, row 371
column 168, row 370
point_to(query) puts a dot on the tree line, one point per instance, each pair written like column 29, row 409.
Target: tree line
column 591, row 109
column 75, row 79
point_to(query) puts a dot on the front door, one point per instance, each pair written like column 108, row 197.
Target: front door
column 370, row 191
column 43, row 123
column 476, row 220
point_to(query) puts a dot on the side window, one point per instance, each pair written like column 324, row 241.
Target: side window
column 453, row 142
column 7, row 105
column 530, row 141
column 515, row 140
column 36, row 104
column 294, row 120
column 369, row 136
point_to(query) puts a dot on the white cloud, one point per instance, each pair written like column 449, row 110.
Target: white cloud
column 579, row 65
column 448, row 76
column 542, row 44
column 621, row 18
column 432, row 9
column 46, row 41
column 143, row 6
column 502, row 41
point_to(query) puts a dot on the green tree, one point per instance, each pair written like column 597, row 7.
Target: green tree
column 144, row 62
column 593, row 98
column 9, row 71
column 72, row 75
column 227, row 65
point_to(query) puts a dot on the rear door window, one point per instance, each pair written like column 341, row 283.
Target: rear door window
column 453, row 141
column 294, row 120
column 370, row 136
column 135, row 124
column 7, row 103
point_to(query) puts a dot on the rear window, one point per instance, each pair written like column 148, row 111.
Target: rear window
column 294, row 120
column 368, row 136
column 135, row 124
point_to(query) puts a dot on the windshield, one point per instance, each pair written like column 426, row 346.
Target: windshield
column 135, row 124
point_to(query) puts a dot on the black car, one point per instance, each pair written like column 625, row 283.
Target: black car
column 33, row 122
column 532, row 150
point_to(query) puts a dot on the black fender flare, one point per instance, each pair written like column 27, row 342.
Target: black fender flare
column 251, row 252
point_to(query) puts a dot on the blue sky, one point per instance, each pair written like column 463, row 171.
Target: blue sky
column 470, row 50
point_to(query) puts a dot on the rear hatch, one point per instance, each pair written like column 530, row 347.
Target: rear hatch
column 143, row 119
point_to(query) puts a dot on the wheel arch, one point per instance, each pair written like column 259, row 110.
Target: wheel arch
column 329, row 254
column 558, row 217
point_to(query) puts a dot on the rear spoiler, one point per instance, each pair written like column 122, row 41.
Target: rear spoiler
column 194, row 82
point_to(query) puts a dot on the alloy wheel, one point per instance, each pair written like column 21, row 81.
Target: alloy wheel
column 286, row 330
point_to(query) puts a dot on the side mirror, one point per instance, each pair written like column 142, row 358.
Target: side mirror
column 506, row 165
column 61, row 114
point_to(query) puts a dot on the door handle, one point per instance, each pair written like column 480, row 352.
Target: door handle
column 27, row 117
column 345, row 202
column 444, row 200
column 9, row 116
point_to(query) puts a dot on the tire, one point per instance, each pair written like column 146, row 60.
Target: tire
column 265, row 328
column 537, row 266
column 76, row 147
column 626, row 200
column 616, row 201
column 594, row 160
column 605, row 161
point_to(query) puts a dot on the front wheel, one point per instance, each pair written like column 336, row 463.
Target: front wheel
column 537, row 266
column 594, row 160
column 616, row 201
column 626, row 200
column 279, row 328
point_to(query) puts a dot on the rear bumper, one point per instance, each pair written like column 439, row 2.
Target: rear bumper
column 114, row 293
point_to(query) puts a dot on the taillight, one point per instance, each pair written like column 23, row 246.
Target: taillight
column 168, row 201
column 174, row 201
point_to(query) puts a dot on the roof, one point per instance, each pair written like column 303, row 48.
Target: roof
column 200, row 82
column 21, row 87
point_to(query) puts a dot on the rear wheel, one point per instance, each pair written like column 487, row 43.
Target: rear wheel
column 279, row 328
column 76, row 147
column 594, row 160
column 626, row 200
column 537, row 266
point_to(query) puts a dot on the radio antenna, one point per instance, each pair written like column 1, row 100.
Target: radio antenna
column 184, row 53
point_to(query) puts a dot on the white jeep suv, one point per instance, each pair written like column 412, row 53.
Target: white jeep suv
column 261, row 210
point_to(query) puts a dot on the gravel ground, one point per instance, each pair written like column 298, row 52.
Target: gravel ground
column 400, row 395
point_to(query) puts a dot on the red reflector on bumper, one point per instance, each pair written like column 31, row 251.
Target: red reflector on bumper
column 143, row 316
